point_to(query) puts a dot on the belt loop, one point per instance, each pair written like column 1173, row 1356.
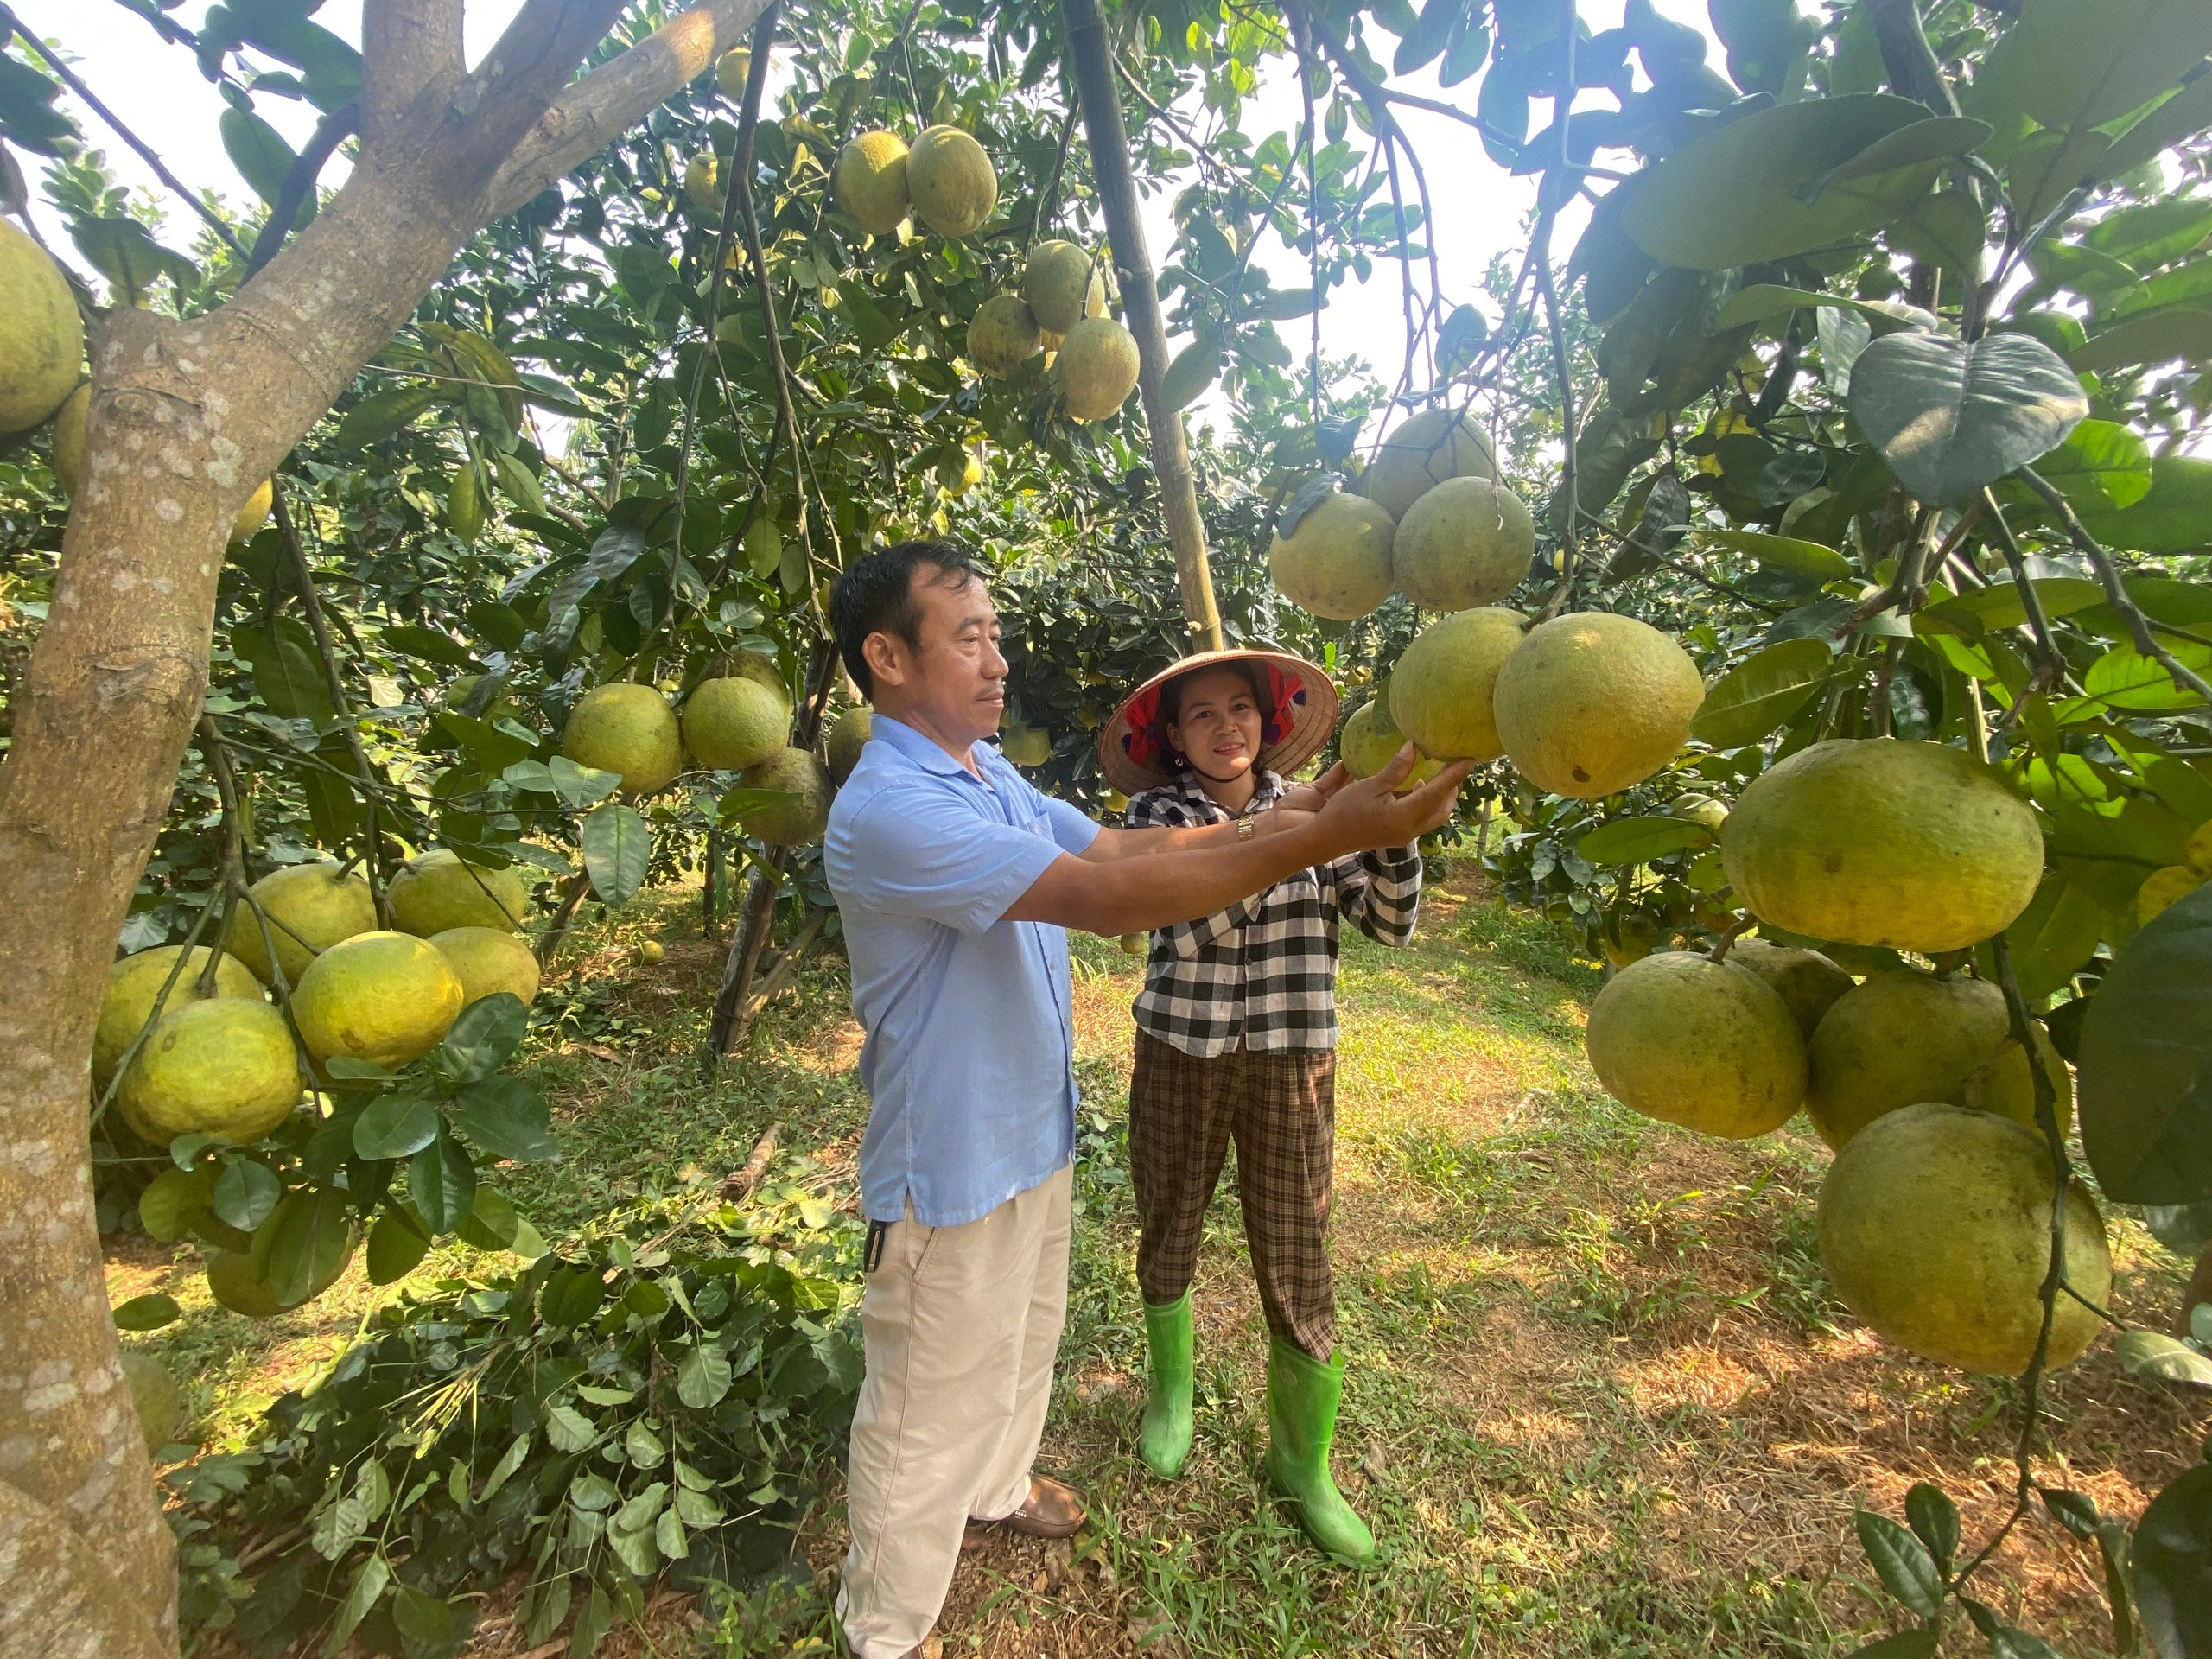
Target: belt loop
column 871, row 1251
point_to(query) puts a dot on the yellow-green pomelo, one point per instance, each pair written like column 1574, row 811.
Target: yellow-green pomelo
column 732, row 723
column 135, row 982
column 1700, row 809
column 1935, row 1225
column 488, row 959
column 1903, row 1038
column 1337, row 562
column 437, row 890
column 1056, row 282
column 1805, row 980
column 849, row 736
column 1370, row 737
column 1594, row 702
column 42, row 336
column 1025, row 745
column 308, row 908
column 255, row 512
column 224, row 1067
column 1421, row 454
column 2196, row 852
column 731, row 70
column 1097, row 366
column 1003, row 335
column 1686, row 1039
column 1466, row 543
column 1440, row 691
column 1879, row 841
column 796, row 823
column 627, row 728
column 157, row 1396
column 2162, row 886
column 1136, row 945
column 381, row 998
column 870, row 181
column 761, row 670
column 232, row 1282
column 701, row 174
column 650, row 951
column 951, row 181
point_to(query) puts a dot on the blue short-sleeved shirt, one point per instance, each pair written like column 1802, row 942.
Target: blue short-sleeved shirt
column 970, row 1043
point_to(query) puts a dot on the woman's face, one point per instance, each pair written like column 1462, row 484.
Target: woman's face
column 1218, row 728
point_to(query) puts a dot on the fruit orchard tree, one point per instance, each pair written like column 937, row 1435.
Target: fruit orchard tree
column 1812, row 553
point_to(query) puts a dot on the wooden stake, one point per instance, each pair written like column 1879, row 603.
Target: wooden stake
column 1089, row 60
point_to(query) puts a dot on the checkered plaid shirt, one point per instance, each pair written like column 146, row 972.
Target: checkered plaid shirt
column 1263, row 972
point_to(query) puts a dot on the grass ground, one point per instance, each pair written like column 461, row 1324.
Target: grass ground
column 1600, row 1401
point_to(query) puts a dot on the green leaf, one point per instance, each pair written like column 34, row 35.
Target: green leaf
column 2126, row 680
column 1902, row 1563
column 704, row 1376
column 286, row 671
column 492, row 1223
column 1919, row 1643
column 2151, row 1353
column 395, row 1245
column 2174, row 516
column 2184, row 332
column 422, row 1619
column 125, row 251
column 246, row 1193
column 1738, row 196
column 1764, row 300
column 489, row 1030
column 2101, row 463
column 394, row 1126
column 381, row 414
column 442, row 1183
column 507, row 1118
column 304, row 1244
column 2055, row 937
column 148, row 1313
column 2171, row 1564
column 1426, row 43
column 571, row 1296
column 172, row 1200
column 2144, row 1075
column 2081, row 63
column 1783, row 553
column 1952, row 419
column 368, row 1585
column 618, row 848
column 256, row 150
column 429, row 645
column 594, row 1620
column 1195, row 368
column 2185, row 1228
column 1638, row 840
column 1762, row 691
column 1935, row 1522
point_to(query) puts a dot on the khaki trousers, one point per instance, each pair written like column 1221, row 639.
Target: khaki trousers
column 961, row 1326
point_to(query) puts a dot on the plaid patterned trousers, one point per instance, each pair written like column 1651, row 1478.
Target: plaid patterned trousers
column 1280, row 1107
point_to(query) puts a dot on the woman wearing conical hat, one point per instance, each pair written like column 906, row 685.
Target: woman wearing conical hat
column 1236, row 1037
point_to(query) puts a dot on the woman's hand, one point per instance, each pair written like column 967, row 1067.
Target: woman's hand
column 1312, row 797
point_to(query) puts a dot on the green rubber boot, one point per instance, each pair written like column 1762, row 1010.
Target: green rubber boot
column 1163, row 1440
column 1302, row 1397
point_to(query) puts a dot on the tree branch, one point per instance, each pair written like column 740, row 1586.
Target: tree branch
column 407, row 47
column 1909, row 61
column 292, row 196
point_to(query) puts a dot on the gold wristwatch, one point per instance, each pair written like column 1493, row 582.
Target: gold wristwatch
column 1247, row 828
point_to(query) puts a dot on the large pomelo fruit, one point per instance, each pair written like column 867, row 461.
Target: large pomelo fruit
column 1056, row 282
column 703, row 185
column 870, row 181
column 1593, row 701
column 1935, row 1225
column 1370, row 737
column 1421, row 454
column 488, row 959
column 1097, row 368
column 1337, row 562
column 1441, row 690
column 1466, row 543
column 731, row 71
column 627, row 729
column 1686, row 1039
column 42, row 334
column 1002, row 335
column 1025, row 745
column 308, row 908
column 798, row 823
column 437, row 890
column 255, row 513
column 1807, row 981
column 733, row 723
column 951, row 181
column 224, row 1067
column 1876, row 841
column 381, row 998
column 761, row 670
column 1904, row 1038
column 849, row 736
column 157, row 1397
column 135, row 982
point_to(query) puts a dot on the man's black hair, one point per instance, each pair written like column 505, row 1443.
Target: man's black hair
column 876, row 596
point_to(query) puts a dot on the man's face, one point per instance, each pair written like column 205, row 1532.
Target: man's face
column 956, row 679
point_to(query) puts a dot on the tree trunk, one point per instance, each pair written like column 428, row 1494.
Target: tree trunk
column 186, row 417
column 1089, row 56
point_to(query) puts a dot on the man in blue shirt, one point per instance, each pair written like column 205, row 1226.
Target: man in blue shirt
column 955, row 880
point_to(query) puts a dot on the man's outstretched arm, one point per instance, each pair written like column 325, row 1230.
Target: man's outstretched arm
column 1157, row 885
